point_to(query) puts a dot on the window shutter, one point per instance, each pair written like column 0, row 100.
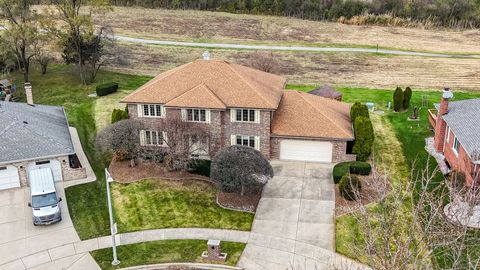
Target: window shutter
column 140, row 110
column 207, row 116
column 184, row 115
column 232, row 115
column 257, row 143
column 257, row 116
column 233, row 139
column 142, row 137
column 164, row 112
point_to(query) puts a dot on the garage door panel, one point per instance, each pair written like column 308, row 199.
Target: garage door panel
column 9, row 177
column 303, row 150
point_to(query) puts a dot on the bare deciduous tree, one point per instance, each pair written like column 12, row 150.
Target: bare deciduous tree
column 121, row 139
column 412, row 227
column 264, row 61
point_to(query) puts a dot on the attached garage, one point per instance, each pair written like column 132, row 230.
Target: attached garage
column 9, row 177
column 52, row 164
column 306, row 150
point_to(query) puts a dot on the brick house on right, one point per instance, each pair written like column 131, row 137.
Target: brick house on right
column 457, row 134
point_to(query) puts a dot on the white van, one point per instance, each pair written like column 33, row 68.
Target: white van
column 45, row 203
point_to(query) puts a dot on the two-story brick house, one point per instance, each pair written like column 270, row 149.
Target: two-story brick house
column 457, row 134
column 241, row 105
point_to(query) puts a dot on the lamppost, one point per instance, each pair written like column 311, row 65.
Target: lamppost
column 113, row 226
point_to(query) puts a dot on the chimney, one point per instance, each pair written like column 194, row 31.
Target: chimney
column 206, row 55
column 441, row 125
column 28, row 93
column 446, row 96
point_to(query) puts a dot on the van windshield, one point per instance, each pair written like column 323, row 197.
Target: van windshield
column 43, row 200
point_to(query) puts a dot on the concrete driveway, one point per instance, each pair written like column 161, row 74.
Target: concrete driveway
column 24, row 246
column 294, row 224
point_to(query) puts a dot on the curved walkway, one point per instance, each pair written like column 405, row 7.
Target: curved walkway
column 288, row 48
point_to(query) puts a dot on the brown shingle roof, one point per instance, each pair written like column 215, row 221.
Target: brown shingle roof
column 233, row 85
column 198, row 97
column 303, row 115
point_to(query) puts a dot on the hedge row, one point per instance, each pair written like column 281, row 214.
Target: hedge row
column 353, row 167
column 106, row 88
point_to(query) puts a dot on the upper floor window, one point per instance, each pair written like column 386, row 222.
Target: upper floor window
column 151, row 110
column 456, row 145
column 196, row 115
column 245, row 115
column 152, row 138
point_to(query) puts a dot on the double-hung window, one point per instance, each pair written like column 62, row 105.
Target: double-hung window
column 152, row 138
column 151, row 110
column 246, row 140
column 245, row 115
column 456, row 145
column 196, row 115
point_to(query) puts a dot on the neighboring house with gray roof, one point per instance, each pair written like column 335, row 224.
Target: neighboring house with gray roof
column 457, row 134
column 35, row 136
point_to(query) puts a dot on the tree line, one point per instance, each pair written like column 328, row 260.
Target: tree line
column 439, row 12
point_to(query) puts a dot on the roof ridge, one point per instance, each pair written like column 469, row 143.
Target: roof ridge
column 253, row 88
column 193, row 88
column 316, row 109
column 214, row 95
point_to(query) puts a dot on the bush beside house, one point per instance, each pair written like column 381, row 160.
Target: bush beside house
column 350, row 186
column 358, row 109
column 364, row 137
column 119, row 114
column 353, row 167
column 240, row 169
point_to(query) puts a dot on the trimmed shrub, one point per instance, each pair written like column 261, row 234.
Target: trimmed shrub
column 360, row 167
column 118, row 114
column 349, row 187
column 340, row 170
column 106, row 88
column 398, row 100
column 240, row 169
column 363, row 138
column 358, row 109
column 407, row 96
column 200, row 166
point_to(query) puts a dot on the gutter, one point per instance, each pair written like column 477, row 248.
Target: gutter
column 35, row 158
column 312, row 138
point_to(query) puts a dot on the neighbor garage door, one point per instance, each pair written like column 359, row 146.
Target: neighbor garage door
column 9, row 177
column 318, row 151
column 52, row 164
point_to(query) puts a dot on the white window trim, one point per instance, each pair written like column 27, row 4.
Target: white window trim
column 453, row 145
column 140, row 110
column 233, row 115
column 233, row 140
column 207, row 115
column 162, row 143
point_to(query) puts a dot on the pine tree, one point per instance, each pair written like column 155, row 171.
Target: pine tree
column 407, row 96
column 398, row 100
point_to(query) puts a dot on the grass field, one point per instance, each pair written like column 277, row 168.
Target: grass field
column 341, row 69
column 166, row 251
column 239, row 28
column 153, row 204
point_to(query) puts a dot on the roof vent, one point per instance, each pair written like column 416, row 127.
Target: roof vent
column 206, row 55
column 25, row 122
column 447, row 94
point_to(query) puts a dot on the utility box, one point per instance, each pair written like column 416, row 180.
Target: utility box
column 214, row 252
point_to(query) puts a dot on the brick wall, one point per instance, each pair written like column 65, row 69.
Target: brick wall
column 458, row 161
column 339, row 151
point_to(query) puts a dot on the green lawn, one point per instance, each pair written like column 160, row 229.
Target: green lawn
column 398, row 144
column 150, row 204
column 166, row 251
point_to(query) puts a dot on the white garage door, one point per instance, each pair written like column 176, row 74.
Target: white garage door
column 52, row 164
column 9, row 177
column 317, row 151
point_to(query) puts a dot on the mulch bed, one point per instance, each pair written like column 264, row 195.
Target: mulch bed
column 247, row 203
column 373, row 189
column 123, row 173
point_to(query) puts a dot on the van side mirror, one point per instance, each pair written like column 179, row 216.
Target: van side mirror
column 59, row 199
column 29, row 204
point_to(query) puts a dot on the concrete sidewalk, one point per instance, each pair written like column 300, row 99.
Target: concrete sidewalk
column 75, row 255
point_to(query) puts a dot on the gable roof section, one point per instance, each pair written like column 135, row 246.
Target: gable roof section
column 198, row 97
column 304, row 115
column 463, row 118
column 234, row 85
column 33, row 132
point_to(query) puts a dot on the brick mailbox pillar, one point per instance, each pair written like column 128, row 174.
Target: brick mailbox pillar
column 214, row 252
